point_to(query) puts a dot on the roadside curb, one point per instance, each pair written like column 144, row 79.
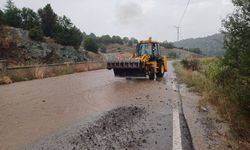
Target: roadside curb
column 196, row 136
column 184, row 116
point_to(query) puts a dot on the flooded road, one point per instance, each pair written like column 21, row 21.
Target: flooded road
column 45, row 112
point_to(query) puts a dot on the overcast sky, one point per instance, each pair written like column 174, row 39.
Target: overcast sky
column 139, row 18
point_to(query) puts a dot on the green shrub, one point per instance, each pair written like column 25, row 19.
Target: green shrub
column 235, row 75
column 90, row 45
column 103, row 49
column 36, row 34
column 184, row 63
column 190, row 64
column 172, row 55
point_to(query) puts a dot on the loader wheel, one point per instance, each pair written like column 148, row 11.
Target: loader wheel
column 160, row 72
column 151, row 73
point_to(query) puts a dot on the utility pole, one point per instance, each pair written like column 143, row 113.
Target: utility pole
column 178, row 32
column 182, row 17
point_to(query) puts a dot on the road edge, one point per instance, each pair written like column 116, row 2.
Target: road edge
column 184, row 116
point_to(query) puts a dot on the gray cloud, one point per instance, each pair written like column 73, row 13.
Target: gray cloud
column 139, row 18
column 129, row 13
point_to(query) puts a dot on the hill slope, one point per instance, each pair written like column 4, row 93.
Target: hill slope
column 18, row 49
column 210, row 45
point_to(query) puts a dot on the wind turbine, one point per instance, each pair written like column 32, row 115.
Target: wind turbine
column 178, row 32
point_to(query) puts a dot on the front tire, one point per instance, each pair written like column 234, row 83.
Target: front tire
column 151, row 73
column 160, row 72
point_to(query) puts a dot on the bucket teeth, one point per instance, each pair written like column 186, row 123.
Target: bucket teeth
column 127, row 68
column 123, row 64
column 128, row 72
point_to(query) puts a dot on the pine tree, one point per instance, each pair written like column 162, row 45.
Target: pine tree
column 12, row 15
column 48, row 20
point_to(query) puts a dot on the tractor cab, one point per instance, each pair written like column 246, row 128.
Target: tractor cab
column 151, row 49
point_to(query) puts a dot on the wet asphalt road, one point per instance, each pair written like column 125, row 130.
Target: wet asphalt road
column 92, row 110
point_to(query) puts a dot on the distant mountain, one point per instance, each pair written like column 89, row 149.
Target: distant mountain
column 210, row 45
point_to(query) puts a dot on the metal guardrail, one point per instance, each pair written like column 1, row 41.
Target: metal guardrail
column 4, row 67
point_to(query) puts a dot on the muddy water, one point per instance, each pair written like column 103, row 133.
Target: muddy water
column 35, row 109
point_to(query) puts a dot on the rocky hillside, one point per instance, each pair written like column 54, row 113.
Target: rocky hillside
column 210, row 45
column 113, row 48
column 19, row 49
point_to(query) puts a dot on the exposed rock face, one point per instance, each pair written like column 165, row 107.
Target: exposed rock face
column 18, row 48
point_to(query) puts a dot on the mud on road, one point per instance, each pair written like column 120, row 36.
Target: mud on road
column 112, row 131
column 90, row 110
column 127, row 127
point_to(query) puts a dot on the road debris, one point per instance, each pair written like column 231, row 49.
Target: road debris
column 109, row 128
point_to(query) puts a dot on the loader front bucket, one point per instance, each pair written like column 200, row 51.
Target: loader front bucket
column 127, row 68
column 126, row 72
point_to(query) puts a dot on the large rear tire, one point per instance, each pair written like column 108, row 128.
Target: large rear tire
column 160, row 72
column 151, row 73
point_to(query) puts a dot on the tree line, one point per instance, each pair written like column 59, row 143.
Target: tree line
column 45, row 22
column 93, row 42
column 234, row 70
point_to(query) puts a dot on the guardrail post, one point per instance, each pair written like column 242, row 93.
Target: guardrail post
column 3, row 66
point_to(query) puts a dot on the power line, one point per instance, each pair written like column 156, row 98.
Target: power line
column 182, row 17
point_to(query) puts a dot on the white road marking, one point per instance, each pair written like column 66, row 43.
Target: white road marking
column 177, row 145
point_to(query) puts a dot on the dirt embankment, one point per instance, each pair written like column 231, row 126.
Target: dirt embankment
column 19, row 49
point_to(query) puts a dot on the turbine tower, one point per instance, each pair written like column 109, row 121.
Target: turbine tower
column 178, row 32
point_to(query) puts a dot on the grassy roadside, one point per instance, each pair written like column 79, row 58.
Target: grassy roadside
column 16, row 75
column 199, row 77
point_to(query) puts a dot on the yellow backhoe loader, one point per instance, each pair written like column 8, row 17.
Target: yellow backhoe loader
column 146, row 61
